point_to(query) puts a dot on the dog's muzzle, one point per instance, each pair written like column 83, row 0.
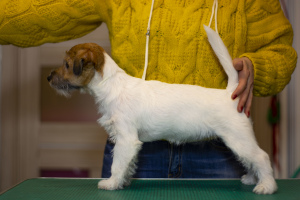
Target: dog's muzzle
column 59, row 83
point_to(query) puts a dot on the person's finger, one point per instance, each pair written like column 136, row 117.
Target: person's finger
column 237, row 64
column 243, row 99
column 249, row 102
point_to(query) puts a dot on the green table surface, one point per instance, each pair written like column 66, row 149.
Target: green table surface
column 140, row 189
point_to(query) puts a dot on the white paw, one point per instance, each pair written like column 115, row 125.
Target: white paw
column 267, row 187
column 249, row 179
column 109, row 184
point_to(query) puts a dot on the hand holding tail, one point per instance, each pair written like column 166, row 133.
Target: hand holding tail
column 244, row 89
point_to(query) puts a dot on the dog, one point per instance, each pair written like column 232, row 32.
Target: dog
column 136, row 111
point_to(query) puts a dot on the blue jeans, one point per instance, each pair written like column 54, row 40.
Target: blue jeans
column 160, row 159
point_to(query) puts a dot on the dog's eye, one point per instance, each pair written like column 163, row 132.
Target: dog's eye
column 67, row 65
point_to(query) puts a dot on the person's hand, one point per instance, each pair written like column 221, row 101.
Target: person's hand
column 244, row 89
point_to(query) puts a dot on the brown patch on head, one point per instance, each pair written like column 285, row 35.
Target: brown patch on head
column 80, row 65
column 88, row 53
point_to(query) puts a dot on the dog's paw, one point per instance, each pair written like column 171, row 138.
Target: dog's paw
column 109, row 184
column 249, row 179
column 267, row 187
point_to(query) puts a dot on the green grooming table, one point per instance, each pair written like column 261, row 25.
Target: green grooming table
column 142, row 189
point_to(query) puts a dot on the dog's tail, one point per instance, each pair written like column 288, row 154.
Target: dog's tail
column 225, row 59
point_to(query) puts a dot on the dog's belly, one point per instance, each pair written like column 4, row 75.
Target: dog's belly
column 176, row 132
column 174, row 137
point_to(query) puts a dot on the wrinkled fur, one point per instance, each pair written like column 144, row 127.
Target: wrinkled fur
column 136, row 111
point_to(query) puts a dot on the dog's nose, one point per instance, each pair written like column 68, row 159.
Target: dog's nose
column 49, row 78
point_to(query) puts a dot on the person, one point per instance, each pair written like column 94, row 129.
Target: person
column 256, row 33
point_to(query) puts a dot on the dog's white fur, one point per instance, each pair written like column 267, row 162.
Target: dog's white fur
column 136, row 111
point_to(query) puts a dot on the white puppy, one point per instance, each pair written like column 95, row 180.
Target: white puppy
column 136, row 111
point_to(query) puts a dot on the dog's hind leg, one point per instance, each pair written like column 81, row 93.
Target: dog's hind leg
column 123, row 167
column 249, row 178
column 242, row 142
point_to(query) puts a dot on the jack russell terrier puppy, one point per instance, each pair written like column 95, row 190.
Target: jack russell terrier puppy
column 136, row 111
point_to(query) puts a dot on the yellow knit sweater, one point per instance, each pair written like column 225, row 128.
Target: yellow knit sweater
column 179, row 51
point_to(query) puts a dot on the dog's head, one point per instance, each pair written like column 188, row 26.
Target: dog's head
column 79, row 67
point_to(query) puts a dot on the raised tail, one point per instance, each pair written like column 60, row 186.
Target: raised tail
column 225, row 59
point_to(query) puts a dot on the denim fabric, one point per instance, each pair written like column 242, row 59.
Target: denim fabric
column 160, row 159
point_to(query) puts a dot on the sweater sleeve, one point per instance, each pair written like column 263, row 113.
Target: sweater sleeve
column 28, row 23
column 268, row 46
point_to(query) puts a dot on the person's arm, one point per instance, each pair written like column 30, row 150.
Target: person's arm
column 32, row 23
column 269, row 48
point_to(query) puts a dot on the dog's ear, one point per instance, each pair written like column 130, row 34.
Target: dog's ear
column 78, row 66
column 100, row 62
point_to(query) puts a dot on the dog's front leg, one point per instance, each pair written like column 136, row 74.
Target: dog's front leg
column 123, row 167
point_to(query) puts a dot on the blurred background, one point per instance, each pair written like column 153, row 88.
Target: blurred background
column 46, row 135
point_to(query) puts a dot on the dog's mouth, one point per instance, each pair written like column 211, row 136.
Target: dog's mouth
column 65, row 88
column 68, row 86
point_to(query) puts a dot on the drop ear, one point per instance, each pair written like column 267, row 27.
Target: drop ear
column 100, row 62
column 78, row 66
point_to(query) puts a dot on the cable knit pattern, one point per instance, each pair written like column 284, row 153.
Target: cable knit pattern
column 179, row 51
column 28, row 23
